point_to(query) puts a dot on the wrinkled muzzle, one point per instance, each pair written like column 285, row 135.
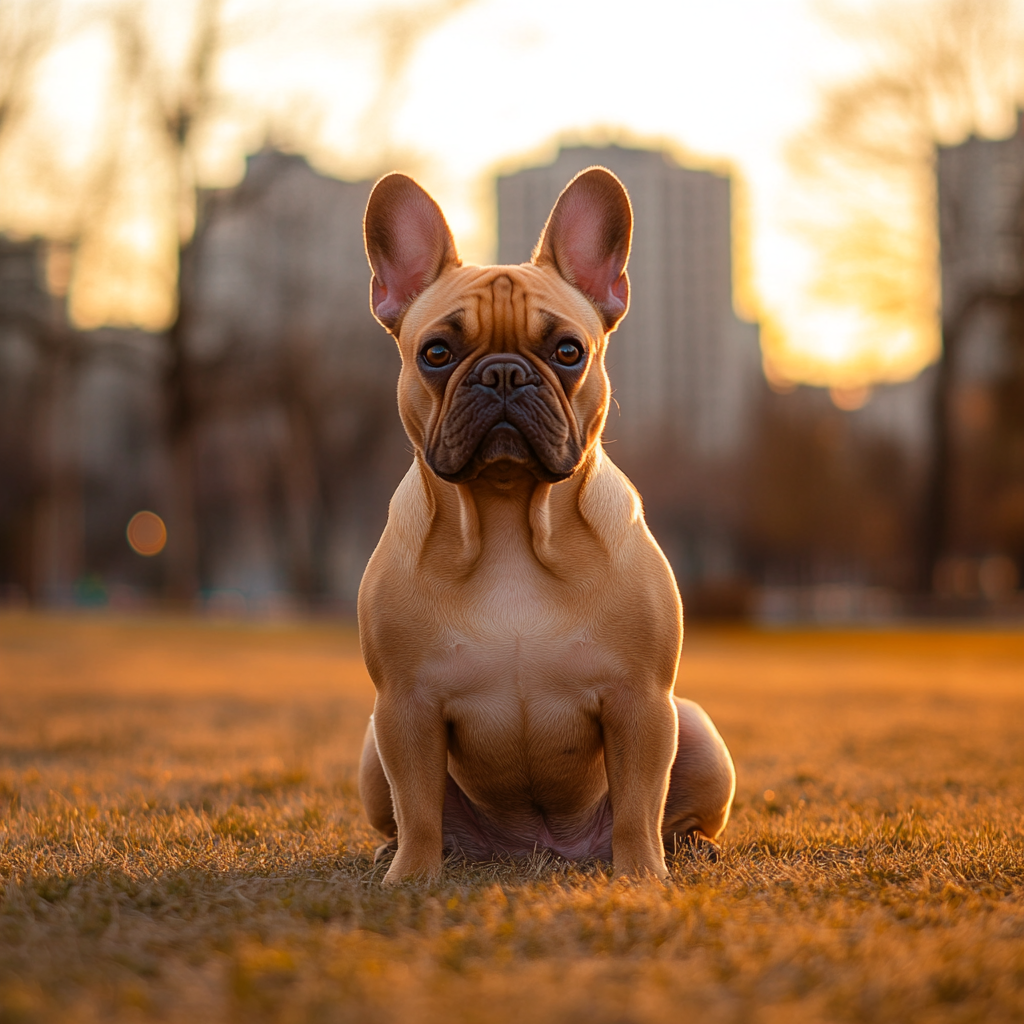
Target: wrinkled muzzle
column 503, row 410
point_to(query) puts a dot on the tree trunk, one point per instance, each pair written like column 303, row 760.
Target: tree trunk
column 182, row 527
column 936, row 511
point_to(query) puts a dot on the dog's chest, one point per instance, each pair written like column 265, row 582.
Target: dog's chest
column 526, row 676
column 517, row 637
column 522, row 709
column 527, row 660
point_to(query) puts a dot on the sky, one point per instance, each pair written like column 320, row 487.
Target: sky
column 724, row 85
column 498, row 84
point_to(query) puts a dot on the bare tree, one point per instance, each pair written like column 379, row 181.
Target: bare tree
column 164, row 90
column 399, row 32
column 175, row 95
column 27, row 30
column 52, row 547
column 936, row 71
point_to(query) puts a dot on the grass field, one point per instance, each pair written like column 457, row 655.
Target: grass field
column 181, row 840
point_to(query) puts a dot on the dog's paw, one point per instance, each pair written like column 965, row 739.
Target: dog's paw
column 413, row 865
column 402, row 871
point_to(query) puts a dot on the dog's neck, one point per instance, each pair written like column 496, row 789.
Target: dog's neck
column 504, row 514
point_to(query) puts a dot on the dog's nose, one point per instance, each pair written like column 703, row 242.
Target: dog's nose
column 504, row 377
column 505, row 373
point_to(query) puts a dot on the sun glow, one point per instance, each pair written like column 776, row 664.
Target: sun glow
column 496, row 85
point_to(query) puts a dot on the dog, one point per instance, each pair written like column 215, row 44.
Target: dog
column 521, row 625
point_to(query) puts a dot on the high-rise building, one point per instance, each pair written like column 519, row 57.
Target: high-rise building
column 685, row 370
column 681, row 361
column 297, row 443
column 978, row 496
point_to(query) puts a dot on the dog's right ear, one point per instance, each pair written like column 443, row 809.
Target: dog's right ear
column 587, row 239
column 408, row 244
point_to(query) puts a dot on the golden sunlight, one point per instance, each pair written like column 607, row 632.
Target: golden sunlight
column 454, row 93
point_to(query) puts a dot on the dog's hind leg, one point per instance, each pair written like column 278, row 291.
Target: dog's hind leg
column 374, row 789
column 702, row 781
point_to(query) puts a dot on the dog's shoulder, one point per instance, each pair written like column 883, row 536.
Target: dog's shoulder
column 410, row 514
column 610, row 504
column 411, row 509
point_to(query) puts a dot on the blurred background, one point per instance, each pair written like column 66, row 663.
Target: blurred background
column 819, row 389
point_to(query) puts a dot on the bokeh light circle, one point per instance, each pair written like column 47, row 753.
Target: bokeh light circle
column 147, row 534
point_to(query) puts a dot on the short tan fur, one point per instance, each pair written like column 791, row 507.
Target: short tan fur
column 520, row 623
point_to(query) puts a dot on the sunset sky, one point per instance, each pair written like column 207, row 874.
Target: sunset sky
column 498, row 84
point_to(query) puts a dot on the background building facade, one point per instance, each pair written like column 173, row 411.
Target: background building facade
column 976, row 528
column 685, row 370
column 264, row 427
column 681, row 361
column 295, row 437
column 80, row 440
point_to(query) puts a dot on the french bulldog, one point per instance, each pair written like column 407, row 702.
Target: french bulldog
column 520, row 624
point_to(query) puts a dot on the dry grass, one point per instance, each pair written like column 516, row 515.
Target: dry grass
column 180, row 840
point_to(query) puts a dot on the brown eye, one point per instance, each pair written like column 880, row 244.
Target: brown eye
column 568, row 353
column 437, row 354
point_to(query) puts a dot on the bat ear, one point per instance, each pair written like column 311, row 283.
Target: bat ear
column 408, row 244
column 587, row 238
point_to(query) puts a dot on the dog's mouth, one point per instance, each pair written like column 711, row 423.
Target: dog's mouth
column 506, row 443
column 503, row 411
column 503, row 447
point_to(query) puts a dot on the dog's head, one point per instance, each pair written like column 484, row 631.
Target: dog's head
column 502, row 366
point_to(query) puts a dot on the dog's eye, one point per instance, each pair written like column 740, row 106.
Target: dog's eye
column 437, row 354
column 568, row 353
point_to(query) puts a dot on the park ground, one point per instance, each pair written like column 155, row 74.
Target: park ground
column 181, row 840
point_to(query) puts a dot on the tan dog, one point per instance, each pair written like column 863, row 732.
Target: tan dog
column 520, row 623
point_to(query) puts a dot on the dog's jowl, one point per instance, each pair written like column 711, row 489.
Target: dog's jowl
column 521, row 625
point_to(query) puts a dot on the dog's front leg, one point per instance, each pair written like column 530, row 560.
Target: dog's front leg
column 412, row 743
column 640, row 735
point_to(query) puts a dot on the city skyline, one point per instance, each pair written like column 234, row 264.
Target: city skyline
column 726, row 88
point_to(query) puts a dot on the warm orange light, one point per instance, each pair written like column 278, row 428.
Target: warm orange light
column 820, row 328
column 147, row 534
column 850, row 399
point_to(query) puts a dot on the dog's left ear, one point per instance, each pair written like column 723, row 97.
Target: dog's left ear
column 408, row 244
column 587, row 238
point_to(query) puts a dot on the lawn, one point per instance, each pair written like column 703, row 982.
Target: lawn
column 181, row 840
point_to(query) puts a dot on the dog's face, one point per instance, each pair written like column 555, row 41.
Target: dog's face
column 502, row 367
